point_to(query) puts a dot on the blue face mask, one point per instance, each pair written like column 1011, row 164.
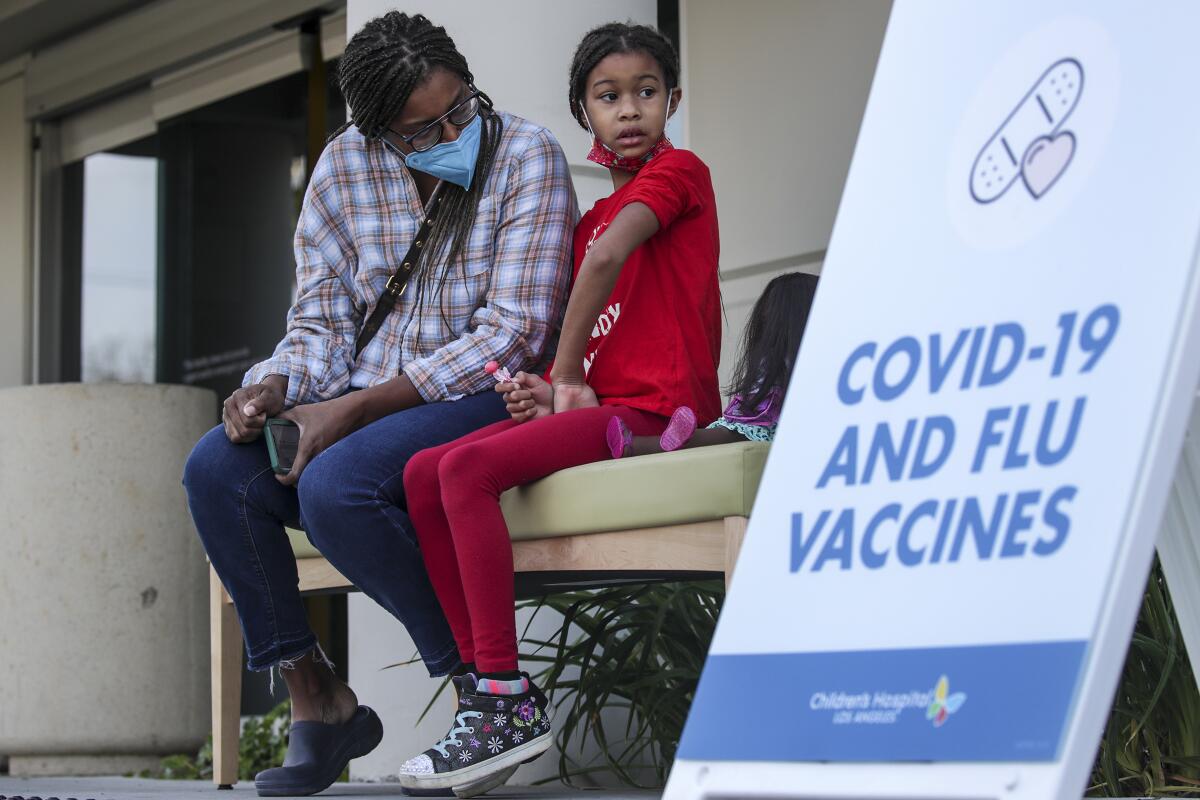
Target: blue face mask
column 451, row 161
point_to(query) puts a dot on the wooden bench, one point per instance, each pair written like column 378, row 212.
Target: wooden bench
column 674, row 515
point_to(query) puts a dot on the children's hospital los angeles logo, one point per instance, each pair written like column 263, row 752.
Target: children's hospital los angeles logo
column 888, row 707
column 944, row 704
column 1033, row 130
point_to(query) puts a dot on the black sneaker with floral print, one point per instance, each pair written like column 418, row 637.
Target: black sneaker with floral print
column 490, row 737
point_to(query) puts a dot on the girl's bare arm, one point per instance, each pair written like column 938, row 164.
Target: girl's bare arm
column 598, row 274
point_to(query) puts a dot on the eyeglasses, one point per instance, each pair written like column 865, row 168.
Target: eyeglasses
column 461, row 114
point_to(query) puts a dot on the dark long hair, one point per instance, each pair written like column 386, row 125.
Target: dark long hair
column 618, row 37
column 772, row 338
column 383, row 63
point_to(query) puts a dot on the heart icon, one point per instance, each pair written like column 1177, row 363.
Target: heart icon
column 1045, row 160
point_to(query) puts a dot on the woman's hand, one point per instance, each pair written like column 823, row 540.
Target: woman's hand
column 527, row 397
column 245, row 412
column 321, row 426
column 572, row 393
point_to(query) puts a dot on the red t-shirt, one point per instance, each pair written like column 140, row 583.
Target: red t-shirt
column 657, row 344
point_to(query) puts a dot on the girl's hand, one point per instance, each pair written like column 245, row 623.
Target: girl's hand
column 570, row 394
column 527, row 397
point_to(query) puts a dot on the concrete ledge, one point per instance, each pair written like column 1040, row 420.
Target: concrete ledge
column 42, row 766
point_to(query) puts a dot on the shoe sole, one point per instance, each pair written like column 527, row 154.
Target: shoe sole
column 404, row 790
column 355, row 749
column 615, row 436
column 485, row 784
column 679, row 429
column 472, row 789
column 479, row 778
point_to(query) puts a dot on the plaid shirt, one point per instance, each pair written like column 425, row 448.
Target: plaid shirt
column 504, row 301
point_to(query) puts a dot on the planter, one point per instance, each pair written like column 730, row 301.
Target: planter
column 103, row 583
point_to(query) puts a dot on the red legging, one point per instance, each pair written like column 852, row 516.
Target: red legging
column 453, row 495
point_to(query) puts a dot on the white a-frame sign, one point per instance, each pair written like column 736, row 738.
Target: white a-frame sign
column 950, row 543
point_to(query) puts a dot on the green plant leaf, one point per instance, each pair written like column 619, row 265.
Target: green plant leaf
column 1150, row 743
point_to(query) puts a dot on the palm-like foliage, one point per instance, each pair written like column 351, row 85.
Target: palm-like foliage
column 1151, row 743
column 639, row 652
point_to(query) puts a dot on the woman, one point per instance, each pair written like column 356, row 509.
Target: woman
column 383, row 357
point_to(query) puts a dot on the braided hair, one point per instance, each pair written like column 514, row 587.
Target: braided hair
column 618, row 37
column 383, row 63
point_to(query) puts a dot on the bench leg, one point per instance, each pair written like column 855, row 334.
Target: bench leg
column 226, row 663
column 735, row 532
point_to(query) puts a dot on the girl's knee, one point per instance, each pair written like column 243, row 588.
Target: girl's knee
column 464, row 464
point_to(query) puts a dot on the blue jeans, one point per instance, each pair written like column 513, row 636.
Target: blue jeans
column 350, row 502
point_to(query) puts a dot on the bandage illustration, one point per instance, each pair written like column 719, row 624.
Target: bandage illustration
column 1030, row 143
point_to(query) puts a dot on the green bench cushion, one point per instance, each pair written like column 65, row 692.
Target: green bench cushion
column 645, row 492
column 301, row 546
column 695, row 485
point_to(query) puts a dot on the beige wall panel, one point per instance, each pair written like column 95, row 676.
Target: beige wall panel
column 15, row 226
column 776, row 91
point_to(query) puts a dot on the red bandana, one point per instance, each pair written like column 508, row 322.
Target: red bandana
column 607, row 158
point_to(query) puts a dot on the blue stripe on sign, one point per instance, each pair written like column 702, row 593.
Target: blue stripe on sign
column 872, row 705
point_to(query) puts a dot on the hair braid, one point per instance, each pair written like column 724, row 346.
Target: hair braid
column 383, row 63
column 618, row 37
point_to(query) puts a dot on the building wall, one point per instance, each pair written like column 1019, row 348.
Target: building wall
column 775, row 91
column 16, row 214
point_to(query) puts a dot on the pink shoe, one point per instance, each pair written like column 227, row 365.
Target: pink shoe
column 679, row 429
column 618, row 436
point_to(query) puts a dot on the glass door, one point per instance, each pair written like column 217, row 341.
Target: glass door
column 119, row 268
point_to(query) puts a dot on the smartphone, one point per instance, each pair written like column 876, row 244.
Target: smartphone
column 283, row 438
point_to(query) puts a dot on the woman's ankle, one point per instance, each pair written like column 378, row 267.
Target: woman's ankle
column 318, row 694
column 334, row 705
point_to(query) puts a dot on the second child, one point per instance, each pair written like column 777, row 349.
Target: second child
column 762, row 375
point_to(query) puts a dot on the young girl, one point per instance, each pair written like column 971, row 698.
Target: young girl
column 641, row 337
column 763, row 372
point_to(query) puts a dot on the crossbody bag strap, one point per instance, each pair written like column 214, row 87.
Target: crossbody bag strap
column 398, row 282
